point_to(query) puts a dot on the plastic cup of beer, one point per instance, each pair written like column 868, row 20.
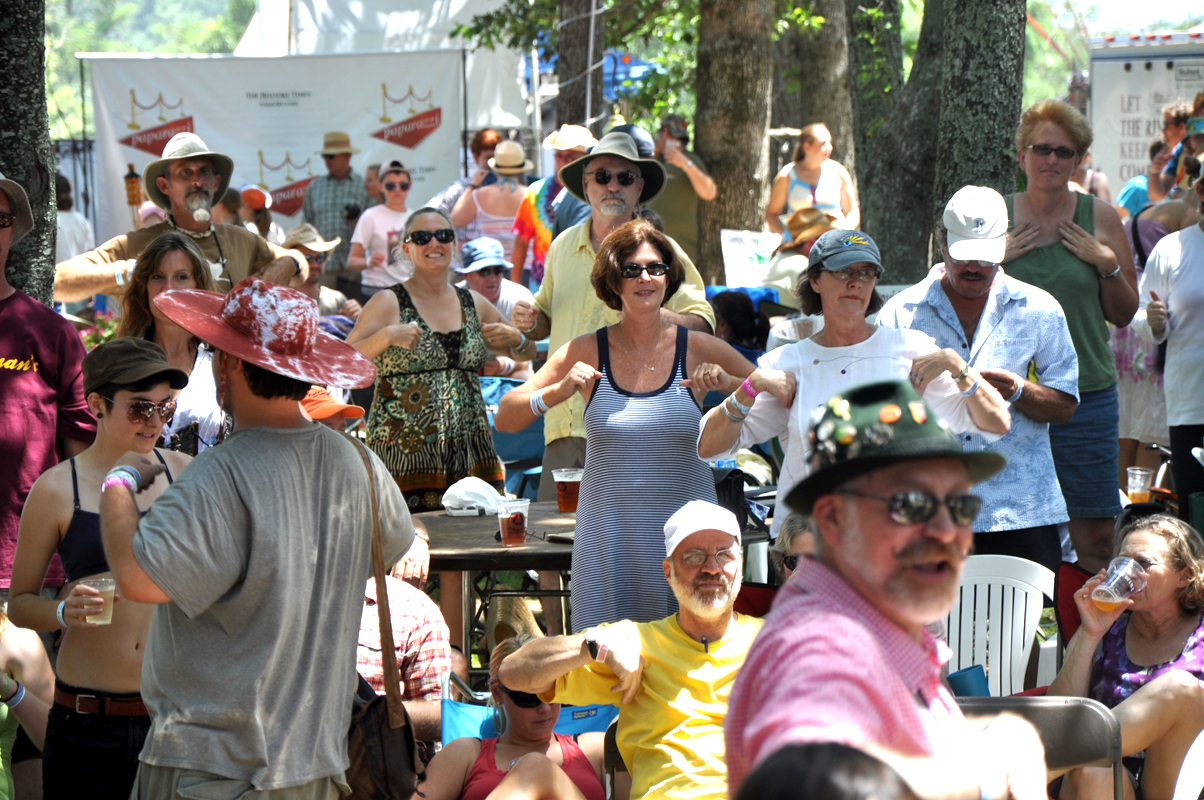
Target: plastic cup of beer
column 568, row 487
column 1124, row 578
column 106, row 587
column 1140, row 479
column 512, row 518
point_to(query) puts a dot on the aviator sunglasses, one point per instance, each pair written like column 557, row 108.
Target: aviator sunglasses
column 914, row 506
column 522, row 699
column 603, row 177
column 1043, row 150
column 141, row 411
column 656, row 268
column 421, row 238
column 390, row 186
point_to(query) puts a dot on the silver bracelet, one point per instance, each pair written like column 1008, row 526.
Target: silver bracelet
column 1111, row 274
column 1019, row 391
column 739, row 420
column 58, row 612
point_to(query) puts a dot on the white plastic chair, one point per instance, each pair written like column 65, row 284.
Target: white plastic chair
column 995, row 619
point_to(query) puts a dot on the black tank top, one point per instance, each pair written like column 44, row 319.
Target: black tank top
column 81, row 549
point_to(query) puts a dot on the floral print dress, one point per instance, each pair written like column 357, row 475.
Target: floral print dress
column 428, row 421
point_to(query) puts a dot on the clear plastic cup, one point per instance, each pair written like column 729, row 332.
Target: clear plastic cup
column 1140, row 480
column 512, row 519
column 1124, row 578
column 568, row 488
column 107, row 588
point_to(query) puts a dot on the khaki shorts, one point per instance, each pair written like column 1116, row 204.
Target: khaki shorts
column 566, row 453
column 161, row 783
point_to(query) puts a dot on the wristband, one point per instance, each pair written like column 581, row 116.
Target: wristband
column 119, row 480
column 505, row 365
column 58, row 612
column 125, row 469
column 973, row 388
column 16, row 699
column 743, row 409
column 1111, row 274
column 522, row 345
column 538, row 407
column 121, row 269
column 733, row 417
column 1019, row 391
column 748, row 388
column 423, row 535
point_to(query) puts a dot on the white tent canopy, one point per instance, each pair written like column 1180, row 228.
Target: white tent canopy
column 283, row 27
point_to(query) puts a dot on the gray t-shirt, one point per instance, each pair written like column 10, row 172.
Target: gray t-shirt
column 264, row 545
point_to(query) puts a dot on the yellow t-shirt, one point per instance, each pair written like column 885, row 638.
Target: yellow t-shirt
column 671, row 734
column 569, row 300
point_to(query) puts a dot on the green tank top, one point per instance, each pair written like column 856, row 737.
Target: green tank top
column 8, row 736
column 1075, row 285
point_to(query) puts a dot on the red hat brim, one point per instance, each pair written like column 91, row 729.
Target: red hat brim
column 330, row 363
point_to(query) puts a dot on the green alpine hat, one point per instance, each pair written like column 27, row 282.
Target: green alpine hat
column 877, row 425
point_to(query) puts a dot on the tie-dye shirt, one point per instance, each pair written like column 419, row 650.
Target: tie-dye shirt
column 1114, row 677
column 535, row 219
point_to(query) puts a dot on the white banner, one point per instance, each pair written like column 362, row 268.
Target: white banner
column 269, row 115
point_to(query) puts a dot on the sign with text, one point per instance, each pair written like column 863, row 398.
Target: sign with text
column 270, row 114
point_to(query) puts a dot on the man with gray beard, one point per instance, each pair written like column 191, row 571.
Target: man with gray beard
column 185, row 183
column 671, row 678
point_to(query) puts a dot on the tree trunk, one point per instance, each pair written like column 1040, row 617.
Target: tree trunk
column 572, row 62
column 981, row 92
column 733, row 90
column 824, row 71
column 900, row 168
column 25, row 154
column 876, row 68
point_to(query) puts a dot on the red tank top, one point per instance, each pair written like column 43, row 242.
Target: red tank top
column 484, row 776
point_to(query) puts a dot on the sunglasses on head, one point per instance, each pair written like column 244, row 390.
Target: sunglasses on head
column 420, row 238
column 390, row 186
column 863, row 274
column 495, row 270
column 316, row 258
column 914, row 506
column 603, row 177
column 7, row 220
column 523, row 699
column 654, row 269
column 1043, row 150
column 141, row 411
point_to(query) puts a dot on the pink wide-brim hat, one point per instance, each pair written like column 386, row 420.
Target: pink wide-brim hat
column 270, row 326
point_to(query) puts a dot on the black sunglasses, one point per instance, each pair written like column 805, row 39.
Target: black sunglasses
column 316, row 258
column 7, row 220
column 420, row 238
column 603, row 177
column 914, row 506
column 486, row 271
column 141, row 411
column 1043, row 150
column 790, row 562
column 634, row 270
column 391, row 186
column 522, row 699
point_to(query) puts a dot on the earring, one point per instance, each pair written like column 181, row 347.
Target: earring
column 99, row 414
column 499, row 717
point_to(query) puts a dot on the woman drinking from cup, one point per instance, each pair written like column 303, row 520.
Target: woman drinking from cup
column 98, row 722
column 641, row 417
column 839, row 283
column 1144, row 657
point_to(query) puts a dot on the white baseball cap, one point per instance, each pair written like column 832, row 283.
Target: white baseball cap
column 698, row 515
column 977, row 221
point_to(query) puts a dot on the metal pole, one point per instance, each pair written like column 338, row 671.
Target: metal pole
column 589, row 67
column 538, row 107
column 464, row 100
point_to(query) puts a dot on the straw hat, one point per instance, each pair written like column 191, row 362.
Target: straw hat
column 509, row 158
column 307, row 236
column 570, row 137
column 805, row 225
column 620, row 145
column 181, row 146
column 335, row 143
column 18, row 204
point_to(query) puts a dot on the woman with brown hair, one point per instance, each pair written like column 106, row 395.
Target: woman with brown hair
column 173, row 261
column 813, row 180
column 643, row 381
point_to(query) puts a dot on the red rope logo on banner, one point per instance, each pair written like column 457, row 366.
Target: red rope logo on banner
column 159, row 103
column 385, row 98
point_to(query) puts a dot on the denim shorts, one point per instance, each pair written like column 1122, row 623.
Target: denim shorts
column 1086, row 455
column 91, row 755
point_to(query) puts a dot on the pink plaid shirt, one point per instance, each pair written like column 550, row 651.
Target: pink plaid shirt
column 419, row 633
column 828, row 666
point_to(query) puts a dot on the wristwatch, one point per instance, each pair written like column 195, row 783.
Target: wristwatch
column 597, row 647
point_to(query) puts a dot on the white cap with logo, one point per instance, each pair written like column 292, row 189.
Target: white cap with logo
column 698, row 515
column 976, row 218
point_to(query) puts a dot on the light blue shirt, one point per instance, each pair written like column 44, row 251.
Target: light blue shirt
column 1022, row 329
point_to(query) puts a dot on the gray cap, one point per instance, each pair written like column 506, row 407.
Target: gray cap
column 843, row 248
column 18, row 203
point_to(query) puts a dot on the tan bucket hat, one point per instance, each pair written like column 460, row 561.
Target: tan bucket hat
column 621, row 145
column 181, row 146
column 18, row 204
column 336, row 143
column 509, row 158
column 307, row 236
column 569, row 137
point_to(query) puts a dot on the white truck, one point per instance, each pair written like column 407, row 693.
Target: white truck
column 1132, row 78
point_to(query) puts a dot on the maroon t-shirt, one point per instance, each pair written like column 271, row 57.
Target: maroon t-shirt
column 41, row 401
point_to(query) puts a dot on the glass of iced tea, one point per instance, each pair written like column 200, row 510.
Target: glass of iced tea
column 1124, row 578
column 568, row 487
column 512, row 518
column 107, row 588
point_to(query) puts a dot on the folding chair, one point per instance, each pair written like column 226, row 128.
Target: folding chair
column 475, row 719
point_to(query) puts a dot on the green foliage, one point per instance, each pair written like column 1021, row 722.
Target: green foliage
column 877, row 75
column 126, row 26
column 1050, row 64
column 103, row 329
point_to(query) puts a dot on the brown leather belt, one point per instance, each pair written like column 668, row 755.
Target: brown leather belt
column 91, row 704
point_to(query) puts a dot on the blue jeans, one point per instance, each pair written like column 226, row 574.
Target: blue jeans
column 91, row 755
